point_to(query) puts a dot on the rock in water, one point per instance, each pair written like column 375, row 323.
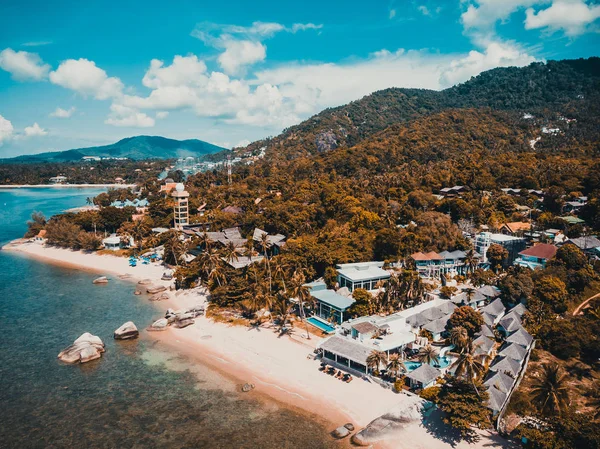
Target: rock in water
column 156, row 289
column 87, row 347
column 101, row 280
column 340, row 432
column 127, row 331
column 137, row 293
column 159, row 325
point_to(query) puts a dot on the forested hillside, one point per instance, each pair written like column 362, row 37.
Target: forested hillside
column 556, row 86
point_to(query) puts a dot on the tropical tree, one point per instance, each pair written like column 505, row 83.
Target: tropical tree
column 428, row 355
column 496, row 254
column 175, row 248
column 375, row 359
column 550, row 392
column 280, row 270
column 459, row 337
column 301, row 292
column 395, row 365
column 469, row 364
column 265, row 245
column 467, row 317
column 230, row 252
column 205, row 241
column 471, row 260
column 463, row 405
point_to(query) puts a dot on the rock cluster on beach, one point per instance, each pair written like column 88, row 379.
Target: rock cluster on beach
column 86, row 348
column 127, row 331
column 178, row 319
column 393, row 421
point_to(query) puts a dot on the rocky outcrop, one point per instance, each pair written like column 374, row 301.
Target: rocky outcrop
column 156, row 289
column 340, row 432
column 349, row 426
column 160, row 297
column 159, row 325
column 180, row 324
column 127, row 331
column 100, row 280
column 137, row 293
column 86, row 348
column 396, row 419
column 145, row 282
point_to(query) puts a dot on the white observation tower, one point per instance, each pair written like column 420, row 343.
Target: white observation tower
column 182, row 211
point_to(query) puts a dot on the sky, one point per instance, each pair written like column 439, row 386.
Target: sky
column 79, row 74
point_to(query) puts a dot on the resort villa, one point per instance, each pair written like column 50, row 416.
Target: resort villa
column 114, row 243
column 433, row 265
column 60, row 179
column 365, row 275
column 536, row 256
column 330, row 305
column 513, row 245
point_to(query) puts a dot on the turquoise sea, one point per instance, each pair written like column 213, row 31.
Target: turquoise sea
column 136, row 395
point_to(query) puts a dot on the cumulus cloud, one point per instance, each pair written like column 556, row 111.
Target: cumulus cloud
column 571, row 16
column 63, row 113
column 162, row 114
column 184, row 70
column 124, row 116
column 483, row 14
column 6, row 130
column 84, row 77
column 242, row 46
column 497, row 54
column 34, row 130
column 23, row 66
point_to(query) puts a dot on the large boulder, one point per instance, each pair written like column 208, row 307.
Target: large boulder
column 145, row 282
column 86, row 348
column 409, row 412
column 159, row 325
column 100, row 280
column 156, row 289
column 127, row 331
column 180, row 324
column 160, row 297
column 340, row 432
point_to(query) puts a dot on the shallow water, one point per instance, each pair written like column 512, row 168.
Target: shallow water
column 137, row 394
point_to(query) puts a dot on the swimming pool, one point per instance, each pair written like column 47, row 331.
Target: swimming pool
column 323, row 325
column 443, row 362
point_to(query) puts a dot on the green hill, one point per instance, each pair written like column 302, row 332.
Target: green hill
column 136, row 148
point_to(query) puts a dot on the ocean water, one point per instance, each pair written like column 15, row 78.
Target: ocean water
column 137, row 395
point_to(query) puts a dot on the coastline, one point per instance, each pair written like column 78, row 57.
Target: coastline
column 278, row 366
column 65, row 186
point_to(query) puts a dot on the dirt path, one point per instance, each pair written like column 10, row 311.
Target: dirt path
column 585, row 303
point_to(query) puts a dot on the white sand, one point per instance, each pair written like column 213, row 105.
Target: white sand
column 279, row 367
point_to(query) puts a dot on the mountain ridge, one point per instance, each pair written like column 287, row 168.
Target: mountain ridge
column 135, row 147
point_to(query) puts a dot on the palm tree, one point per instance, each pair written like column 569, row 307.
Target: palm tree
column 282, row 309
column 469, row 364
column 230, row 252
column 302, row 293
column 459, row 337
column 375, row 359
column 428, row 355
column 280, row 270
column 265, row 244
column 550, row 392
column 395, row 365
column 592, row 312
column 209, row 259
column 205, row 241
column 411, row 286
column 471, row 260
column 469, row 292
column 175, row 247
column 217, row 274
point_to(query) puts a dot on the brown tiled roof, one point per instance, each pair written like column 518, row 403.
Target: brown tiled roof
column 432, row 255
column 541, row 250
column 517, row 226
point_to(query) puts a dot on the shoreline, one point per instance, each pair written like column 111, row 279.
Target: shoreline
column 278, row 366
column 65, row 186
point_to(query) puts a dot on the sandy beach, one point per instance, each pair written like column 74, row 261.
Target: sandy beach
column 278, row 366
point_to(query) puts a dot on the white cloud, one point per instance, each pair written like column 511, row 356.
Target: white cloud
column 305, row 26
column 84, row 77
column 497, row 54
column 34, row 130
column 23, row 66
column 483, row 14
column 572, row 16
column 162, row 114
column 6, row 130
column 185, row 70
column 239, row 54
column 424, row 10
column 124, row 116
column 392, row 13
column 63, row 113
column 36, row 43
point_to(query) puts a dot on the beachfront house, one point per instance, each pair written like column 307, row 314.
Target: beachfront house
column 424, row 376
column 60, row 179
column 115, row 243
column 329, row 304
column 537, row 256
column 365, row 275
column 428, row 265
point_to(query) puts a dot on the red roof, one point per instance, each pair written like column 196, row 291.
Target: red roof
column 432, row 255
column 541, row 251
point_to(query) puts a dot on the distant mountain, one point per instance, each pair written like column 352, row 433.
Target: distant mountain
column 138, row 147
column 554, row 86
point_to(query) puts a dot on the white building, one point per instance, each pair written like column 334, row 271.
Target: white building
column 361, row 275
column 60, row 179
column 182, row 211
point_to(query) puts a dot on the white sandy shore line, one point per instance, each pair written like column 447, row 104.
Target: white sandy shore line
column 65, row 186
column 279, row 367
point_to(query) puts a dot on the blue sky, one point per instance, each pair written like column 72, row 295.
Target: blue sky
column 88, row 73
